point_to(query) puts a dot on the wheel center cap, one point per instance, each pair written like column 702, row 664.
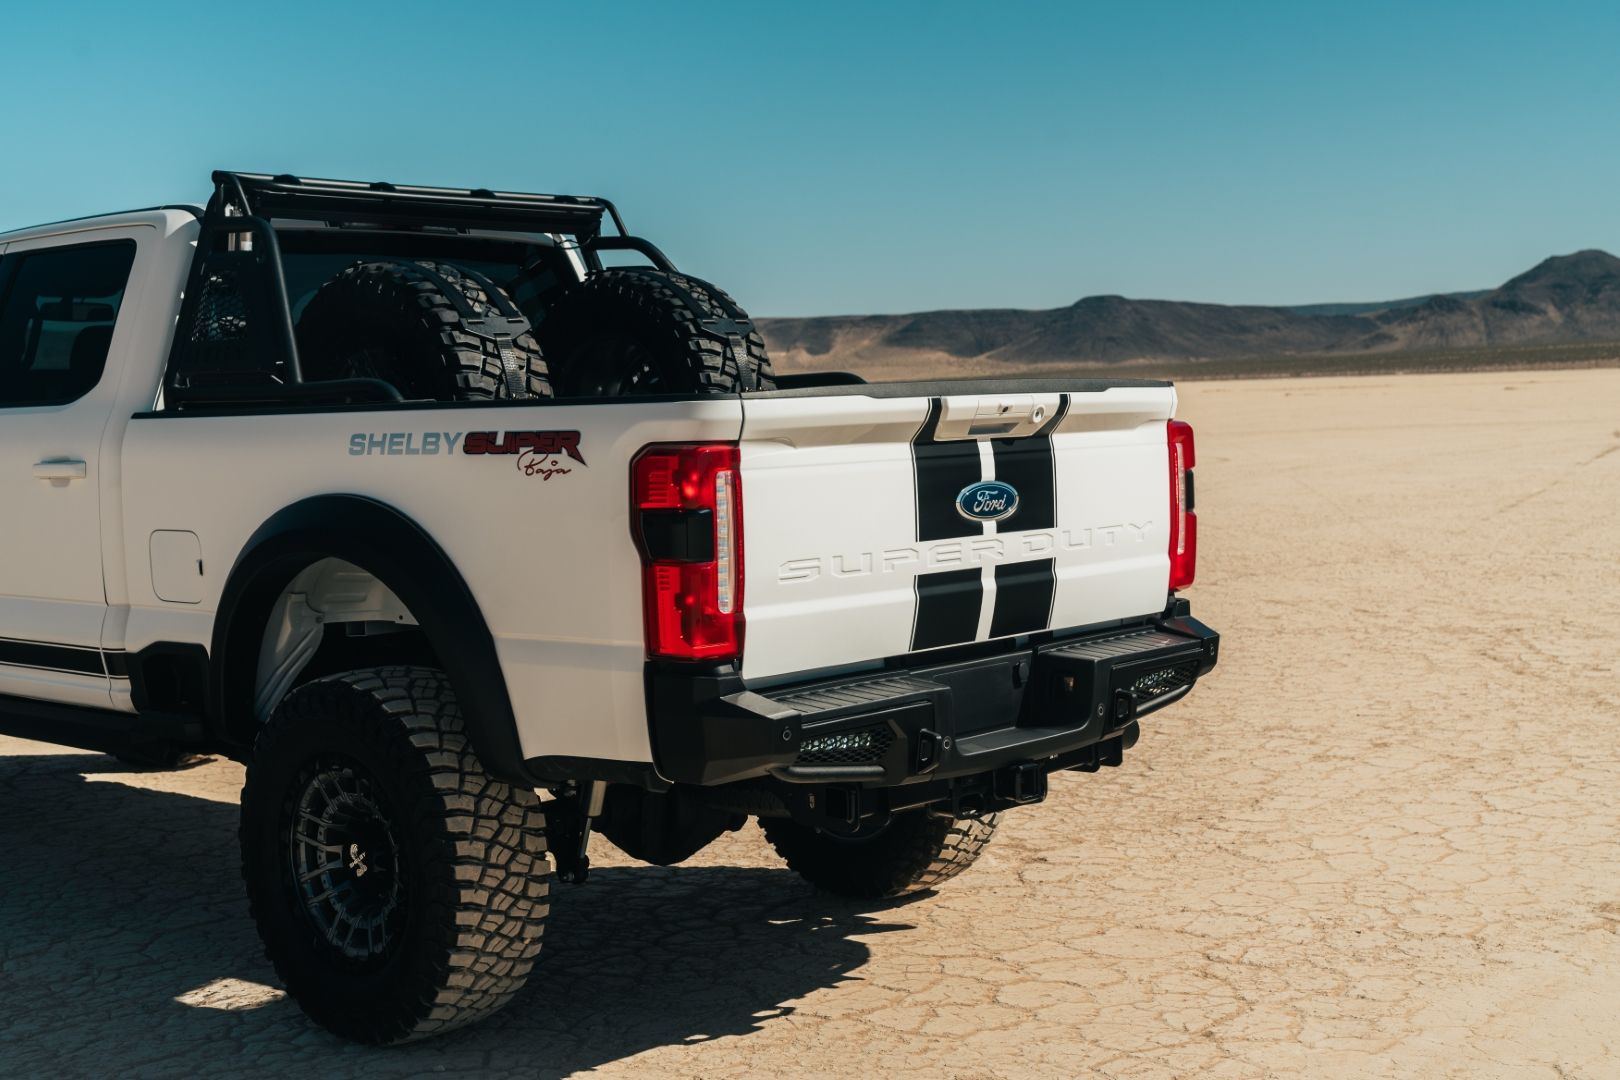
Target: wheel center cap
column 357, row 861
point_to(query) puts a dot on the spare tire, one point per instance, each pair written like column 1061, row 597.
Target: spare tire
column 634, row 330
column 434, row 330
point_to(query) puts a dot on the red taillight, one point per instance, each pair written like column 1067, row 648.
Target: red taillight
column 1183, row 521
column 686, row 502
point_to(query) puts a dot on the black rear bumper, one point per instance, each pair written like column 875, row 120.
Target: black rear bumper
column 1060, row 703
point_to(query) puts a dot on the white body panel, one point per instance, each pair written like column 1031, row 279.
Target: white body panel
column 550, row 562
column 833, row 485
column 54, row 579
column 837, row 552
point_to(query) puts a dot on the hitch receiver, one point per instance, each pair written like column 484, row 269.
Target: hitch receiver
column 1021, row 784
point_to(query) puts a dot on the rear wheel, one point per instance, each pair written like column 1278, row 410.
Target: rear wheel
column 400, row 891
column 908, row 853
column 628, row 331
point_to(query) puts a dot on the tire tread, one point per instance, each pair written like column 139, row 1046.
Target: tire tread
column 486, row 861
column 921, row 853
column 398, row 304
column 668, row 310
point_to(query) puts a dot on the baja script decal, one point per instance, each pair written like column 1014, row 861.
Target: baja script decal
column 539, row 453
column 545, row 467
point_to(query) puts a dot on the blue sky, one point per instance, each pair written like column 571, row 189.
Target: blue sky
column 829, row 157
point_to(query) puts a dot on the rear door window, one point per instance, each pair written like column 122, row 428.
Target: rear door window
column 58, row 307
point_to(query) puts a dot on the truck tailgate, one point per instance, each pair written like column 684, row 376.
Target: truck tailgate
column 881, row 521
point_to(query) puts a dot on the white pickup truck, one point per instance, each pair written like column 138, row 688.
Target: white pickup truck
column 468, row 544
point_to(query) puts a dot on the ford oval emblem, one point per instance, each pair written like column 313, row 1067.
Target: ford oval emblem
column 988, row 500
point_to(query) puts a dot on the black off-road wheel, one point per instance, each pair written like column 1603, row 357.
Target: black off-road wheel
column 397, row 321
column 908, row 853
column 630, row 330
column 400, row 891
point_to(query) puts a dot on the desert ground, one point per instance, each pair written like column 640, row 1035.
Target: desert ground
column 1382, row 839
column 893, row 365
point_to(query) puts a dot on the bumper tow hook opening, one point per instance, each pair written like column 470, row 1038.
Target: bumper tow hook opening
column 925, row 750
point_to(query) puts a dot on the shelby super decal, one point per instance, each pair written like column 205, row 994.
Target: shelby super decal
column 404, row 443
column 548, row 443
column 429, row 443
column 538, row 453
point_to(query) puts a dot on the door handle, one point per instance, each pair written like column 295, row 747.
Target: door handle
column 59, row 471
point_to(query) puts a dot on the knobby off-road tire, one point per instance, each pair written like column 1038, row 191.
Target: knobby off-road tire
column 372, row 769
column 630, row 330
column 912, row 852
column 393, row 321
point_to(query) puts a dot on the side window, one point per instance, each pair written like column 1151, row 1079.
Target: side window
column 57, row 309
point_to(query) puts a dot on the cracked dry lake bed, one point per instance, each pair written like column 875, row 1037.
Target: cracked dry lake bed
column 1382, row 839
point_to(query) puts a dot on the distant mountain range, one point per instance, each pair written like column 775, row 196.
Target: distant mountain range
column 1564, row 299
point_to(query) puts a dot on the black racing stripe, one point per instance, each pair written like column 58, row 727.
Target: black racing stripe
column 947, row 608
column 943, row 469
column 1023, row 597
column 117, row 663
column 1027, row 464
column 39, row 654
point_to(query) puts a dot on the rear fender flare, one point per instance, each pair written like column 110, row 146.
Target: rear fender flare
column 397, row 551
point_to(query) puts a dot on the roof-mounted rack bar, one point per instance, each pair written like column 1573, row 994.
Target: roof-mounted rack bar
column 350, row 201
column 236, row 341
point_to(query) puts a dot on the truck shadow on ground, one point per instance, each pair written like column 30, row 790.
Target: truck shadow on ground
column 118, row 905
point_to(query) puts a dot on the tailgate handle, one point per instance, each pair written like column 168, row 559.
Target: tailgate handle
column 1008, row 416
